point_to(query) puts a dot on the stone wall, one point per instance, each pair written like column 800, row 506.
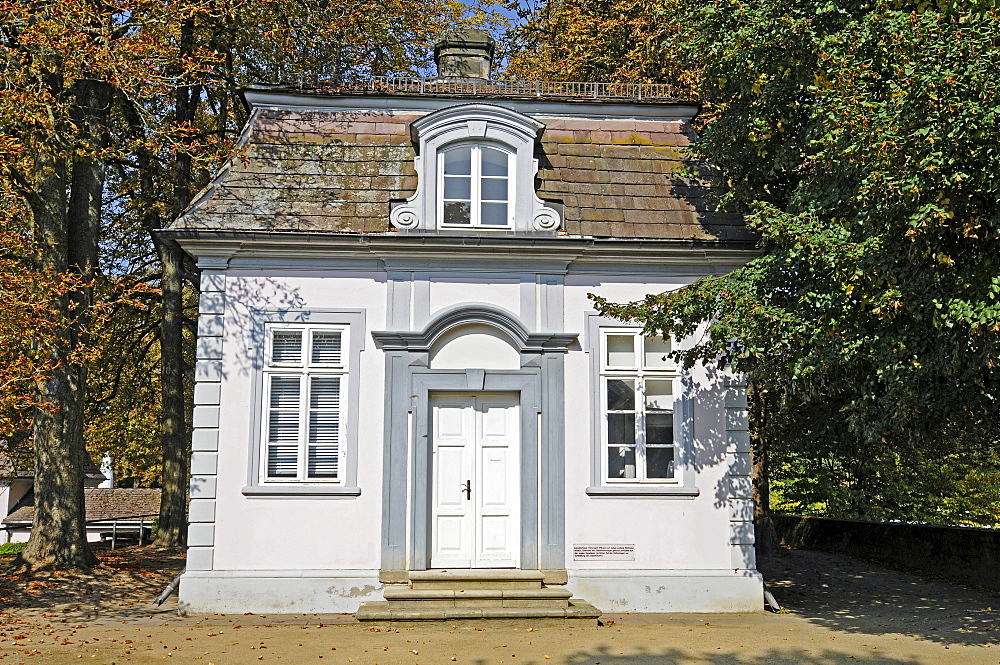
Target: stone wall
column 965, row 555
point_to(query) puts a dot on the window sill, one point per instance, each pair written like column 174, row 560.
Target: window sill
column 300, row 490
column 498, row 229
column 642, row 490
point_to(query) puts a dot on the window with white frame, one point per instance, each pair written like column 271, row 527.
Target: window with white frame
column 476, row 170
column 638, row 392
column 305, row 386
column 474, row 181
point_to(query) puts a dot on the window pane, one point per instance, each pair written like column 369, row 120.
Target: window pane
column 323, row 426
column 494, row 214
column 322, row 461
column 283, row 427
column 659, row 394
column 285, row 392
column 656, row 350
column 659, row 463
column 286, row 346
column 621, row 462
column 621, row 395
column 282, row 461
column 326, row 348
column 458, row 188
column 457, row 213
column 494, row 162
column 659, row 428
column 494, row 189
column 324, row 414
column 325, row 393
column 621, row 428
column 621, row 350
column 458, row 161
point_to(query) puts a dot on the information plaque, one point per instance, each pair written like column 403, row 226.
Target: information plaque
column 604, row 552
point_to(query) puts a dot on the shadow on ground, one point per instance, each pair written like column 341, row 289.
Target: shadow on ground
column 123, row 586
column 856, row 596
column 681, row 657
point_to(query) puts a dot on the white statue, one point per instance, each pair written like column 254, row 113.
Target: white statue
column 108, row 469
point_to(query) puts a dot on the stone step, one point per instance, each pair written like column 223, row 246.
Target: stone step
column 476, row 578
column 406, row 599
column 496, row 593
column 383, row 611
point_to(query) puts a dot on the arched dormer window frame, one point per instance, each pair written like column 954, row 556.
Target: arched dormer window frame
column 481, row 125
column 481, row 195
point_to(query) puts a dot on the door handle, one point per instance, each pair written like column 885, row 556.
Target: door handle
column 467, row 488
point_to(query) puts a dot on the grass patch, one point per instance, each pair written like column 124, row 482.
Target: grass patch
column 10, row 549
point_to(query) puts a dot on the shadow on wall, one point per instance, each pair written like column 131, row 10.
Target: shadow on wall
column 710, row 440
column 962, row 554
column 245, row 299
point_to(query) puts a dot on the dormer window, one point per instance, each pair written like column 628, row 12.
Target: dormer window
column 475, row 186
column 475, row 172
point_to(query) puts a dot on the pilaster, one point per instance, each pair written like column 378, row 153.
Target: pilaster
column 738, row 482
column 205, row 421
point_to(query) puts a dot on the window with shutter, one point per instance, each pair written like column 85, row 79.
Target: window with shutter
column 286, row 347
column 283, row 427
column 326, row 347
column 304, row 381
column 324, row 426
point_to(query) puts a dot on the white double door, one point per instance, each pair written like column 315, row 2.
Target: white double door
column 475, row 520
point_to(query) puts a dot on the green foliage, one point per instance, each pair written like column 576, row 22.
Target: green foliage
column 953, row 480
column 11, row 549
column 860, row 138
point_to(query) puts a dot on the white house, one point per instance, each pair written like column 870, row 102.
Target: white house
column 404, row 396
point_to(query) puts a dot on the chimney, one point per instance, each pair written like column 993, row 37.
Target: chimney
column 464, row 53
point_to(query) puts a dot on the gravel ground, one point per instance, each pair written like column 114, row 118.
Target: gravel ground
column 839, row 611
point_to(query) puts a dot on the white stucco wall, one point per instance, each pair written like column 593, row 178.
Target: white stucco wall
column 291, row 533
column 667, row 532
column 683, row 556
column 306, row 553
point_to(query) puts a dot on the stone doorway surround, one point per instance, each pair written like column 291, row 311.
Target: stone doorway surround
column 409, row 380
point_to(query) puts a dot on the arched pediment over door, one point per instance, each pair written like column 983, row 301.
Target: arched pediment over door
column 479, row 315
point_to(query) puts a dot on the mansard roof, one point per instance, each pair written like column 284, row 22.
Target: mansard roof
column 323, row 160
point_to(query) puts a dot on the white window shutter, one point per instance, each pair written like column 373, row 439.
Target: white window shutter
column 282, row 461
column 324, row 427
column 326, row 348
column 286, row 346
column 283, row 427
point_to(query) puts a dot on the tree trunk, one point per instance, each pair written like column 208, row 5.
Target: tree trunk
column 57, row 534
column 759, row 455
column 766, row 538
column 172, row 529
column 67, row 233
column 175, row 454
